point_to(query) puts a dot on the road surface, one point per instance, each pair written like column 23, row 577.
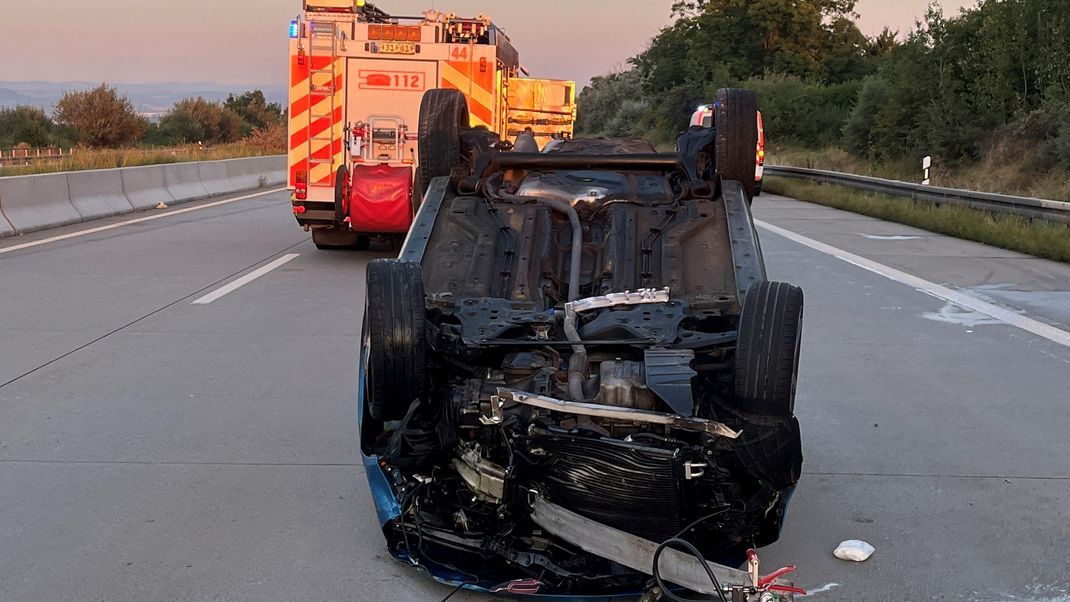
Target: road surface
column 177, row 413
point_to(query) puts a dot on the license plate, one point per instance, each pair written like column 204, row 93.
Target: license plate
column 397, row 48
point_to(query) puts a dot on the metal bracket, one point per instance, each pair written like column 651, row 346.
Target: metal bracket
column 698, row 425
column 746, row 248
column 424, row 222
column 635, row 552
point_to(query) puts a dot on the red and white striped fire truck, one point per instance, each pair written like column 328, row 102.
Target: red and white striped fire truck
column 357, row 79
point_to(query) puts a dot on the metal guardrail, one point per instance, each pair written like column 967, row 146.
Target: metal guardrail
column 1054, row 211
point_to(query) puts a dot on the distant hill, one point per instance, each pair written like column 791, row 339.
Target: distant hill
column 149, row 99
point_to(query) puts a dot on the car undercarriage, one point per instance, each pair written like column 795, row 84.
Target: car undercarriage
column 576, row 357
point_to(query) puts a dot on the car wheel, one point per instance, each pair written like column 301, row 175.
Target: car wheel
column 443, row 116
column 736, row 120
column 767, row 349
column 341, row 189
column 397, row 355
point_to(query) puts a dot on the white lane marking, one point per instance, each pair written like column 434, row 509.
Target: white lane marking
column 893, row 237
column 69, row 235
column 1004, row 315
column 234, row 285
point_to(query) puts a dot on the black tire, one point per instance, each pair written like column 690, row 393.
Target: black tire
column 443, row 116
column 397, row 356
column 767, row 351
column 341, row 186
column 736, row 120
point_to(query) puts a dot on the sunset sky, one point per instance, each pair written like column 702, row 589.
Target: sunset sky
column 243, row 42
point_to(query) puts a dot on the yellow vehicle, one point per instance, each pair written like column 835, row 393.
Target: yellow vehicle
column 357, row 78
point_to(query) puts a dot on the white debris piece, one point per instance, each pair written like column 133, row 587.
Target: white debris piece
column 161, row 206
column 855, row 550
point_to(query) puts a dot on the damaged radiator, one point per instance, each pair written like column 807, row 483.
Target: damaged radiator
column 632, row 489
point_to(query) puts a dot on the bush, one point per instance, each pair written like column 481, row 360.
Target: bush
column 269, row 140
column 198, row 120
column 800, row 112
column 27, row 125
column 858, row 132
column 600, row 101
column 629, row 120
column 100, row 118
column 254, row 110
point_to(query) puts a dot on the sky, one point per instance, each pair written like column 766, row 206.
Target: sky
column 243, row 42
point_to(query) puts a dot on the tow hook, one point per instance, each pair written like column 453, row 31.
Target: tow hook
column 763, row 588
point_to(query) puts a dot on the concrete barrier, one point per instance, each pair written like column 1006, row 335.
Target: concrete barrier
column 29, row 203
column 276, row 170
column 279, row 175
column 273, row 169
column 246, row 174
column 6, row 229
column 37, row 202
column 214, row 177
column 98, row 193
column 145, row 187
column 184, row 182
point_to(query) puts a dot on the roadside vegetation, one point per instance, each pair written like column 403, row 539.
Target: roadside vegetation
column 102, row 129
column 985, row 92
column 1035, row 237
column 82, row 159
column 1010, row 168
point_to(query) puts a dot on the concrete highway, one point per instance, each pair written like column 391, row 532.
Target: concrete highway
column 166, row 434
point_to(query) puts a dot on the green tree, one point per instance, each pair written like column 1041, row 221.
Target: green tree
column 718, row 43
column 600, row 101
column 100, row 118
column 859, row 134
column 738, row 39
column 26, row 124
column 198, row 120
column 254, row 110
column 994, row 78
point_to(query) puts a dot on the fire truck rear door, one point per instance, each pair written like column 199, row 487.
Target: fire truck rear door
column 388, row 88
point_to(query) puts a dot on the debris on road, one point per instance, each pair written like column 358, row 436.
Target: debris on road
column 854, row 550
column 161, row 206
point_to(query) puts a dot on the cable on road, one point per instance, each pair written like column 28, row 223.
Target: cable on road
column 453, row 593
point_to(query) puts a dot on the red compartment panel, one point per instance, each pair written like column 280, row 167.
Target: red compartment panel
column 380, row 199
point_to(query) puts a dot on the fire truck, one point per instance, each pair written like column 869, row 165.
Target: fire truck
column 358, row 78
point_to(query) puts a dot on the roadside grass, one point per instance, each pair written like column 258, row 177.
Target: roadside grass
column 1007, row 168
column 1039, row 238
column 83, row 159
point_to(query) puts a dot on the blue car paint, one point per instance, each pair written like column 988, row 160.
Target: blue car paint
column 386, row 503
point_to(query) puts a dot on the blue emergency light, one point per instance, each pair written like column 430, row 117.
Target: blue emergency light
column 294, row 29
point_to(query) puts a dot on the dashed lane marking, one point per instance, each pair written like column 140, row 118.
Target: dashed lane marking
column 234, row 285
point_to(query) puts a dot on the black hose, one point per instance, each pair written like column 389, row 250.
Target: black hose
column 698, row 555
column 453, row 593
column 676, row 539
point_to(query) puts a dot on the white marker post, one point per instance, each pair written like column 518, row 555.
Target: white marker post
column 926, row 164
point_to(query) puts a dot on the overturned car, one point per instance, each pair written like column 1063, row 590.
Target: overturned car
column 576, row 379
